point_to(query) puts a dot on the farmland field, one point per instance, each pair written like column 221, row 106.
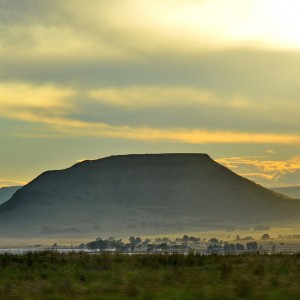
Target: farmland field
column 50, row 275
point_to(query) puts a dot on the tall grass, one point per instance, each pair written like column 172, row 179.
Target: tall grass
column 50, row 275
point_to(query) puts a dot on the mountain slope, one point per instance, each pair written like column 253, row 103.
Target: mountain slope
column 147, row 193
column 7, row 192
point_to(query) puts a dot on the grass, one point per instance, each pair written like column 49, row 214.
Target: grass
column 50, row 275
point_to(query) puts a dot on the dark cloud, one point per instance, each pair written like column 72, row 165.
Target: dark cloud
column 255, row 74
column 258, row 75
column 184, row 116
column 30, row 12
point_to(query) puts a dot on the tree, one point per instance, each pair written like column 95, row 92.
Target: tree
column 146, row 242
column 214, row 241
column 229, row 248
column 194, row 239
column 239, row 247
column 185, row 238
column 163, row 246
column 265, row 236
column 150, row 248
column 252, row 246
column 132, row 242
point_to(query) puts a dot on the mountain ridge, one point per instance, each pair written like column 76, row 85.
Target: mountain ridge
column 291, row 191
column 7, row 192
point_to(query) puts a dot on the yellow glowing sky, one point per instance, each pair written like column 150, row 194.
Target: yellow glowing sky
column 86, row 79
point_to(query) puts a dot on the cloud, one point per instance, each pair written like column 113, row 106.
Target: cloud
column 121, row 43
column 10, row 182
column 50, row 31
column 190, row 26
column 190, row 107
column 267, row 172
column 14, row 96
column 257, row 176
column 18, row 101
column 135, row 97
column 262, row 164
column 71, row 127
column 112, row 31
column 62, row 111
column 81, row 160
column 270, row 151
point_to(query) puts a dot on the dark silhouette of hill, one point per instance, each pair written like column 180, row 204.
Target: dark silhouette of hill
column 7, row 192
column 291, row 191
column 141, row 193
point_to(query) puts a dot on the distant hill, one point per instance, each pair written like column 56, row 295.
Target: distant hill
column 142, row 194
column 291, row 191
column 7, row 192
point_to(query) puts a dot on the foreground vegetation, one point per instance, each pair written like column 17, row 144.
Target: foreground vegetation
column 50, row 275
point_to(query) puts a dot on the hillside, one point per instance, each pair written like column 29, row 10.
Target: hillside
column 7, row 192
column 144, row 194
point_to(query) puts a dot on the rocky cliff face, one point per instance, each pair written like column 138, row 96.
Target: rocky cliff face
column 145, row 193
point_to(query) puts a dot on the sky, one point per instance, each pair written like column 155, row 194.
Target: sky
column 85, row 79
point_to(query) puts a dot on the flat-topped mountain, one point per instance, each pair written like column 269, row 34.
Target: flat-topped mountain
column 141, row 193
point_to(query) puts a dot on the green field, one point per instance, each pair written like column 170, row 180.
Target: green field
column 50, row 275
